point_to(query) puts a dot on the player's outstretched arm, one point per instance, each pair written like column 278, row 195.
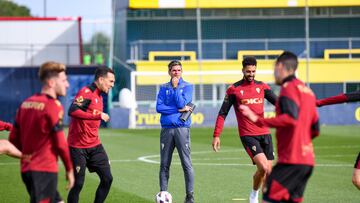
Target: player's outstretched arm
column 14, row 137
column 338, row 99
column 288, row 117
column 229, row 100
column 9, row 149
column 5, row 126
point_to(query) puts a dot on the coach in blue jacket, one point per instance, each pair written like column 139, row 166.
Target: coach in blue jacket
column 172, row 100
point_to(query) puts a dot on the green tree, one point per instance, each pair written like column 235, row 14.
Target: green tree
column 99, row 44
column 8, row 8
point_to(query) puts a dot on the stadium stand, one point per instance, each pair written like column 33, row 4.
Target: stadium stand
column 149, row 27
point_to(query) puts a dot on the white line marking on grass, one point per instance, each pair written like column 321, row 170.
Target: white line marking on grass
column 336, row 155
column 239, row 199
column 125, row 160
column 337, row 147
column 334, row 165
column 9, row 163
column 149, row 159
column 112, row 161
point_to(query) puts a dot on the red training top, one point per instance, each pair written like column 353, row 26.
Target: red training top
column 251, row 94
column 38, row 134
column 85, row 114
column 296, row 123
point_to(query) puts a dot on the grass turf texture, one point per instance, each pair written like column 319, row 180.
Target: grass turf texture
column 219, row 177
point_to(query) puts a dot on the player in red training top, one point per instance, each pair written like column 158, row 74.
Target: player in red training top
column 5, row 146
column 296, row 123
column 256, row 140
column 85, row 147
column 38, row 134
column 338, row 99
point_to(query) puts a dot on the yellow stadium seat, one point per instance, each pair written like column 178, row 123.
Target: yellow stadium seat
column 243, row 53
column 328, row 52
column 190, row 54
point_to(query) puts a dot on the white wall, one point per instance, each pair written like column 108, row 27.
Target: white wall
column 31, row 42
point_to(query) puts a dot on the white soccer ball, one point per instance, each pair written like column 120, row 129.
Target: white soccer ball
column 163, row 197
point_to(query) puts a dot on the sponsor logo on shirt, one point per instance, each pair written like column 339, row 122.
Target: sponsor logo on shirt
column 33, row 105
column 252, row 101
column 78, row 101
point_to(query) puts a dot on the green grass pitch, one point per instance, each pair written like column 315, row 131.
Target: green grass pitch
column 219, row 177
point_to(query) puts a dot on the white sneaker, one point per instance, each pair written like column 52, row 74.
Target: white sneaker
column 254, row 197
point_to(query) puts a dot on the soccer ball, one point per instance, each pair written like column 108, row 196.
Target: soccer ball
column 163, row 197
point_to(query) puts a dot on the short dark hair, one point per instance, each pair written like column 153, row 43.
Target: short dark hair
column 50, row 69
column 102, row 71
column 174, row 63
column 249, row 61
column 289, row 60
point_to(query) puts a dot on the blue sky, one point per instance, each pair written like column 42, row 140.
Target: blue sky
column 88, row 9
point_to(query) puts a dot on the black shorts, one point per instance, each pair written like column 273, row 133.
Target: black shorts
column 41, row 186
column 286, row 183
column 93, row 158
column 255, row 145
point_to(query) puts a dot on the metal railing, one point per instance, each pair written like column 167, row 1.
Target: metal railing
column 33, row 54
column 226, row 49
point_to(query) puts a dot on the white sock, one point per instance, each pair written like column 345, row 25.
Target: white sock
column 254, row 193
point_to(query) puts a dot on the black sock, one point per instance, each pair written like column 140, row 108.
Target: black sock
column 105, row 184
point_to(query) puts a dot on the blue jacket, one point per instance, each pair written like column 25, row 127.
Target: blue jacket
column 170, row 100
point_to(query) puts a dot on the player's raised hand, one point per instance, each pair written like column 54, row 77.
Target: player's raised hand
column 174, row 82
column 105, row 117
column 246, row 111
column 70, row 178
column 216, row 144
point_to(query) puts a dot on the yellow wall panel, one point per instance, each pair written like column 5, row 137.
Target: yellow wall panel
column 143, row 4
column 320, row 71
